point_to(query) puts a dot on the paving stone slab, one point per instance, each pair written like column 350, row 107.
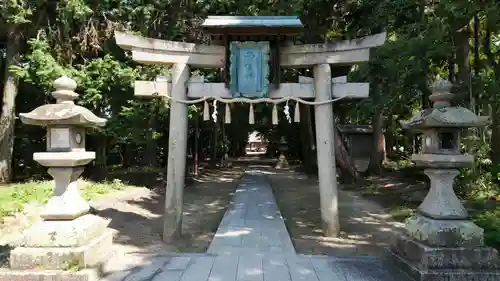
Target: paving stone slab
column 255, row 202
column 48, row 275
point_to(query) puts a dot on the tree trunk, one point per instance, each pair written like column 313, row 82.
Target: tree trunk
column 223, row 142
column 463, row 62
column 451, row 69
column 213, row 146
column 495, row 134
column 307, row 139
column 378, row 148
column 495, row 105
column 127, row 155
column 304, row 144
column 8, row 115
column 426, row 93
column 390, row 141
column 477, row 43
column 100, row 169
column 151, row 145
column 196, row 145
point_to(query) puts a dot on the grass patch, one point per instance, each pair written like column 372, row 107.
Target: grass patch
column 90, row 190
column 13, row 197
column 490, row 222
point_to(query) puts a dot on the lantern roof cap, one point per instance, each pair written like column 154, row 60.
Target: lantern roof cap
column 65, row 111
column 442, row 114
column 449, row 117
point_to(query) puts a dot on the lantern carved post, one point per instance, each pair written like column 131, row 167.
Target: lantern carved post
column 69, row 236
column 440, row 242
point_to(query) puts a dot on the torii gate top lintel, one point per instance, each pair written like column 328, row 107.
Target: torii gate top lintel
column 157, row 51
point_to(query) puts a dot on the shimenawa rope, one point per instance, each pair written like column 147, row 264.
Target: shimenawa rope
column 251, row 114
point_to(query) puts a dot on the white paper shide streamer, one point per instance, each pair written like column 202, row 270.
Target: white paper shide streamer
column 286, row 110
column 251, row 114
column 214, row 114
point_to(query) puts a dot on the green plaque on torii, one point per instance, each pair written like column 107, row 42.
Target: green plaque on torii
column 249, row 68
column 252, row 50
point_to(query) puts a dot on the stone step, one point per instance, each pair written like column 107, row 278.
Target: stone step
column 89, row 274
column 54, row 258
column 396, row 265
column 425, row 257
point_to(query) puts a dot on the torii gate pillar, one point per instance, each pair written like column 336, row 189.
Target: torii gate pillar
column 325, row 149
column 177, row 146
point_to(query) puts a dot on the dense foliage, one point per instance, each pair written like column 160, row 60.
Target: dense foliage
column 44, row 39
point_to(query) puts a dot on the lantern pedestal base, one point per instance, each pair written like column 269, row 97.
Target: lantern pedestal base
column 91, row 254
column 70, row 233
column 427, row 263
column 62, row 250
column 444, row 233
column 443, row 250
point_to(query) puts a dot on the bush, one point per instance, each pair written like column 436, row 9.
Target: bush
column 490, row 222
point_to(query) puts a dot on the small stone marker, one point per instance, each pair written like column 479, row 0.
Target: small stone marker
column 69, row 237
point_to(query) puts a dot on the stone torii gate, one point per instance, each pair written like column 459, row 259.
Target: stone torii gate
column 252, row 35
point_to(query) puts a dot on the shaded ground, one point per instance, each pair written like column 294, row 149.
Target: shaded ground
column 137, row 214
column 400, row 196
column 366, row 227
column 402, row 192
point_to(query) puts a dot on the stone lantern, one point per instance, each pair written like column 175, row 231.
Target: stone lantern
column 66, row 155
column 283, row 148
column 440, row 242
column 69, row 236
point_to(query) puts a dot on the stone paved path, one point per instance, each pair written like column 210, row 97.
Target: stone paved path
column 252, row 225
column 252, row 244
